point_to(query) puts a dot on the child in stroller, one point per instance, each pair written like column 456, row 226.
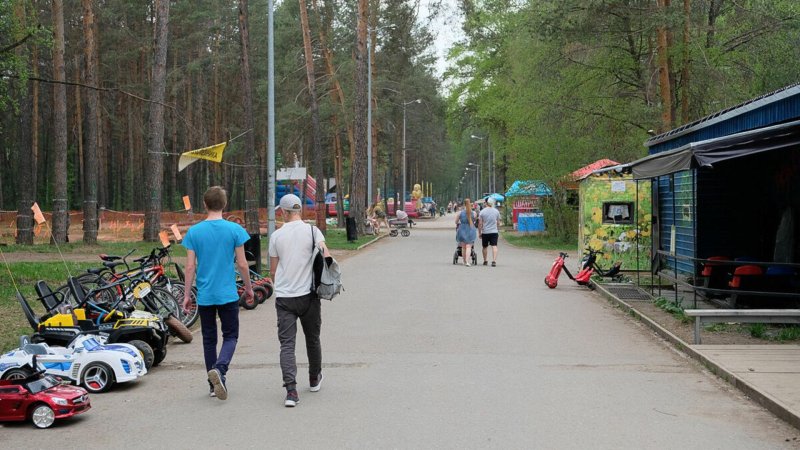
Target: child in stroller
column 400, row 224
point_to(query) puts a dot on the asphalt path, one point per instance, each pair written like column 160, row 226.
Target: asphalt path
column 421, row 353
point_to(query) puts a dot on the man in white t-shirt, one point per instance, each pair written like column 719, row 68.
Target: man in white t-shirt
column 290, row 250
column 488, row 222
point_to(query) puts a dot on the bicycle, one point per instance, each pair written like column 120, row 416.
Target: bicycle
column 154, row 267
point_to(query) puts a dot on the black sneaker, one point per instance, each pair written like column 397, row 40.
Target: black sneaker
column 211, row 390
column 292, row 398
column 485, row 263
column 218, row 382
column 316, row 382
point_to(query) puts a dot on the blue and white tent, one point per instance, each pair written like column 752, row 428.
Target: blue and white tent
column 529, row 188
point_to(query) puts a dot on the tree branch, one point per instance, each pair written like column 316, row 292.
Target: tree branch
column 16, row 44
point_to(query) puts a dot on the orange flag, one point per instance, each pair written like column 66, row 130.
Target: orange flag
column 176, row 232
column 164, row 238
column 37, row 214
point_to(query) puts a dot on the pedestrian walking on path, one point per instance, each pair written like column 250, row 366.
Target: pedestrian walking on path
column 488, row 221
column 465, row 231
column 211, row 247
column 290, row 253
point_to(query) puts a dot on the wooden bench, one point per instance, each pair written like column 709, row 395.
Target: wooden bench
column 702, row 316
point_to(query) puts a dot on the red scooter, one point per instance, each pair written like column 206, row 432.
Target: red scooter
column 588, row 268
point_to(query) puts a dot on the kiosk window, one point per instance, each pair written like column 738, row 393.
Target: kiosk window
column 618, row 212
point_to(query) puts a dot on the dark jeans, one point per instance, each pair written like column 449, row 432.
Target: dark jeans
column 229, row 322
column 307, row 309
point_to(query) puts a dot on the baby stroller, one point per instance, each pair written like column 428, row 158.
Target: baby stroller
column 400, row 226
column 472, row 255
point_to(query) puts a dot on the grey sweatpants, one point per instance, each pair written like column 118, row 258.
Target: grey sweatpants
column 307, row 309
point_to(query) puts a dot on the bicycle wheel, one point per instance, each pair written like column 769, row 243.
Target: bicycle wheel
column 178, row 290
column 178, row 329
column 166, row 303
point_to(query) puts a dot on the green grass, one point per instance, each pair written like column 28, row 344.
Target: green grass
column 538, row 241
column 112, row 248
column 336, row 239
column 673, row 308
column 12, row 321
column 791, row 333
column 758, row 330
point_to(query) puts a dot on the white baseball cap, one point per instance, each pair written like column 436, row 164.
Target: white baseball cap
column 290, row 202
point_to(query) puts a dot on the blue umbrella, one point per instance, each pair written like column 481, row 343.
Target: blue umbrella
column 497, row 197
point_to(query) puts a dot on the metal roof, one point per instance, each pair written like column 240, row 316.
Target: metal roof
column 726, row 114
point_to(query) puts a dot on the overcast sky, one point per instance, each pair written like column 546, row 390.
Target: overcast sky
column 445, row 27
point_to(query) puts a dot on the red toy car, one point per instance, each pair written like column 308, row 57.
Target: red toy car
column 40, row 398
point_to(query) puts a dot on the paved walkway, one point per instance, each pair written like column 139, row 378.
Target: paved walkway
column 772, row 371
column 421, row 353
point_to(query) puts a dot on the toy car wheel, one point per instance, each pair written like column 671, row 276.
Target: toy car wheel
column 405, row 233
column 178, row 329
column 251, row 303
column 97, row 377
column 147, row 352
column 261, row 294
column 42, row 416
column 17, row 374
column 393, row 233
column 270, row 290
column 159, row 355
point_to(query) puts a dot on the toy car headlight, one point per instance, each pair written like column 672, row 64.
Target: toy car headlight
column 60, row 401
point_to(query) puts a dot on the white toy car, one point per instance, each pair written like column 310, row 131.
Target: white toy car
column 85, row 361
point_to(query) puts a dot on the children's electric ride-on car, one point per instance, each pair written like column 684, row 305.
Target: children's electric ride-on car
column 147, row 333
column 86, row 362
column 40, row 398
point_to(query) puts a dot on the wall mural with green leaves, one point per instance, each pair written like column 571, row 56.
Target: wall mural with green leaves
column 615, row 218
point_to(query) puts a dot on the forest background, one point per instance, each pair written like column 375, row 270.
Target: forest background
column 547, row 85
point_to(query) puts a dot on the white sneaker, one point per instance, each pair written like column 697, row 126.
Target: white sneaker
column 315, row 387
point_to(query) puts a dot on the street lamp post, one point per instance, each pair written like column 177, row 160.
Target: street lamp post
column 490, row 161
column 477, row 179
column 403, row 193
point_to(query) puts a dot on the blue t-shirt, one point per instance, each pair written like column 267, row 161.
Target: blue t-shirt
column 214, row 242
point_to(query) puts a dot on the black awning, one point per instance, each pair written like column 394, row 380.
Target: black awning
column 707, row 153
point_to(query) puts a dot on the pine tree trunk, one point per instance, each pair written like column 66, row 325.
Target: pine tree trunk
column 664, row 70
column 358, row 192
column 316, row 132
column 35, row 145
column 90, row 221
column 60, row 214
column 155, row 139
column 687, row 16
column 25, row 168
column 79, row 125
column 335, row 99
column 25, row 150
column 251, row 184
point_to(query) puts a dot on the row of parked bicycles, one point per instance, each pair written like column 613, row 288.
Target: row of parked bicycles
column 108, row 325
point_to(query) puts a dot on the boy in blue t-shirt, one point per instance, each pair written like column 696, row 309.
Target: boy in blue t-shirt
column 210, row 249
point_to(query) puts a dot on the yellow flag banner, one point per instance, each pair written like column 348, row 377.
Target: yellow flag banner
column 212, row 153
